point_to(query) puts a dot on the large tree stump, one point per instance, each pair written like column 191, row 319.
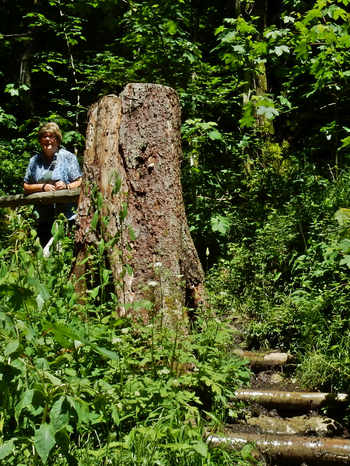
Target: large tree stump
column 134, row 141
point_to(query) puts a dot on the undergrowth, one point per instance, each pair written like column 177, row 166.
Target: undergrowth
column 81, row 386
column 289, row 282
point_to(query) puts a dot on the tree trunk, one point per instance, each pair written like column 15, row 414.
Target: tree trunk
column 134, row 141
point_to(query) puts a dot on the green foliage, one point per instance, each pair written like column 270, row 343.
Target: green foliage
column 291, row 281
column 82, row 385
column 264, row 91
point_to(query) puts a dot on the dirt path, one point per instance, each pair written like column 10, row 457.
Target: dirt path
column 288, row 426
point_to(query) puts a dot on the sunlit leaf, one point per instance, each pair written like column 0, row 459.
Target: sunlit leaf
column 220, row 224
column 7, row 448
column 44, row 441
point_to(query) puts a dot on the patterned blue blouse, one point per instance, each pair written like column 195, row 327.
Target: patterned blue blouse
column 64, row 166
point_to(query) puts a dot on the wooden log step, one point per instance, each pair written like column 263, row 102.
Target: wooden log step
column 61, row 197
column 267, row 359
column 323, row 451
column 291, row 400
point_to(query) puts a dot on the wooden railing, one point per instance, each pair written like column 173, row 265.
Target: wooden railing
column 53, row 197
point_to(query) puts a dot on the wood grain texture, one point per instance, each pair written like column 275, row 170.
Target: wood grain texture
column 136, row 137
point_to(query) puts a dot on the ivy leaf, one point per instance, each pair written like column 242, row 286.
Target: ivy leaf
column 44, row 441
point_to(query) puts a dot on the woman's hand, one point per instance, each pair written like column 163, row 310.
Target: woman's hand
column 49, row 187
column 60, row 185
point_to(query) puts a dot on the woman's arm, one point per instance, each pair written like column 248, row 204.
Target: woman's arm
column 37, row 187
column 45, row 187
column 74, row 184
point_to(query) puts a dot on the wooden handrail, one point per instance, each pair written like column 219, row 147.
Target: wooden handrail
column 52, row 197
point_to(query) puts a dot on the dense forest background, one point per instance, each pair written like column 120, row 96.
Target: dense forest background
column 265, row 94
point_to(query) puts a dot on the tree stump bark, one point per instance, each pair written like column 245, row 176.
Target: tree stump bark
column 132, row 157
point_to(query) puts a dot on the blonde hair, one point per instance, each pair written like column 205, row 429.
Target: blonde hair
column 52, row 128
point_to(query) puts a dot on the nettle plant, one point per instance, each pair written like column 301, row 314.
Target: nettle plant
column 86, row 387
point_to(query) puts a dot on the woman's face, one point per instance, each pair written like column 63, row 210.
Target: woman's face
column 49, row 144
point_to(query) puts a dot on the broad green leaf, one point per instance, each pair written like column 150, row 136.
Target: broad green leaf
column 94, row 292
column 268, row 112
column 280, row 49
column 284, row 101
column 246, row 452
column 201, row 448
column 81, row 408
column 342, row 216
column 239, row 49
column 18, row 295
column 58, row 417
column 345, row 261
column 11, row 347
column 66, row 331
column 25, row 402
column 52, row 378
column 345, row 245
column 288, row 19
column 214, row 135
column 220, row 224
column 346, row 142
column 44, row 441
column 105, row 276
column 171, row 26
column 105, row 352
column 40, row 288
column 7, row 448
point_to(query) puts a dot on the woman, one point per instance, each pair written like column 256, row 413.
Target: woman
column 51, row 170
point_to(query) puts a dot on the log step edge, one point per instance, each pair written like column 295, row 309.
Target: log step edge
column 288, row 447
column 267, row 359
column 291, row 400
